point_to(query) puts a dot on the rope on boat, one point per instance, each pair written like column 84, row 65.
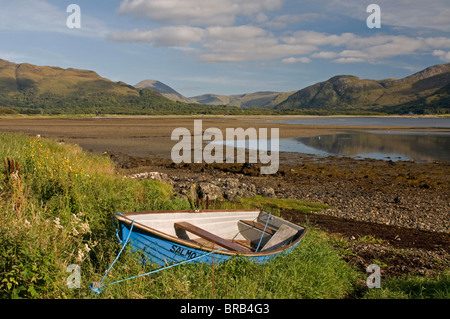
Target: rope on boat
column 97, row 287
column 262, row 234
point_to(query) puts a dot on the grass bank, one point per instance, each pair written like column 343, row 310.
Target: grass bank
column 56, row 207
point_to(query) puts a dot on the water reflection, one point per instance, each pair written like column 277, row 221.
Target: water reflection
column 371, row 121
column 423, row 147
column 385, row 145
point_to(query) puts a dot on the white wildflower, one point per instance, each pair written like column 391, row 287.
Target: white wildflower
column 84, row 228
column 76, row 218
column 80, row 255
column 57, row 223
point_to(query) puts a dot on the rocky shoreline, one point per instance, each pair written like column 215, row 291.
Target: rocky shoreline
column 405, row 194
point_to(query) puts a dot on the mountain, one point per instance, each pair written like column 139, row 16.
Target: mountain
column 29, row 88
column 248, row 100
column 163, row 89
column 428, row 89
column 15, row 78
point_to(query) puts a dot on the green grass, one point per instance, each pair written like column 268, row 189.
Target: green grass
column 313, row 270
column 413, row 287
column 57, row 211
column 274, row 205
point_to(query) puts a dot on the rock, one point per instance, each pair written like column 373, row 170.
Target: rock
column 157, row 176
column 267, row 192
column 211, row 190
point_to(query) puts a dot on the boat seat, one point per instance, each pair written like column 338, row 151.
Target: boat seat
column 283, row 236
column 210, row 236
column 259, row 226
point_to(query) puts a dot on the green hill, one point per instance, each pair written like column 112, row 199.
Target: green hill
column 28, row 88
column 248, row 100
column 422, row 92
column 31, row 89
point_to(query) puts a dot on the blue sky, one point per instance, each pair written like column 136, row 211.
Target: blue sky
column 228, row 46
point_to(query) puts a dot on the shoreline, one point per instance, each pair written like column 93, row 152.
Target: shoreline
column 383, row 199
column 151, row 137
column 138, row 141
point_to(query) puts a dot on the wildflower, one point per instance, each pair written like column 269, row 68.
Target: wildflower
column 75, row 232
column 76, row 217
column 86, row 247
column 27, row 223
column 85, row 228
column 57, row 223
column 80, row 255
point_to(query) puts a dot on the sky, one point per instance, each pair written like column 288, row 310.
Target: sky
column 228, row 46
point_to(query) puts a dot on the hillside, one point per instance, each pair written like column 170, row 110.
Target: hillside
column 427, row 90
column 164, row 90
column 32, row 89
column 29, row 88
column 258, row 99
column 248, row 100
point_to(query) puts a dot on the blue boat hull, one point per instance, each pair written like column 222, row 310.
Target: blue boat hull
column 165, row 251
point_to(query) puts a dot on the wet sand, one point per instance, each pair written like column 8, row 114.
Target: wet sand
column 150, row 136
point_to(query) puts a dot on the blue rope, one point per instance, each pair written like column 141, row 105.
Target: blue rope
column 159, row 269
column 97, row 287
column 116, row 227
column 267, row 222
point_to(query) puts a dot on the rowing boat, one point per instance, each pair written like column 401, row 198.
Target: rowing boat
column 207, row 236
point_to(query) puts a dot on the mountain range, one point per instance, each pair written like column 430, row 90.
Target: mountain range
column 28, row 88
column 257, row 99
column 427, row 89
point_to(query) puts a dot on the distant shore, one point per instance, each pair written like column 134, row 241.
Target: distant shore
column 150, row 136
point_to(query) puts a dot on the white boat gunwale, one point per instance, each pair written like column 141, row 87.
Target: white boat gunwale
column 189, row 243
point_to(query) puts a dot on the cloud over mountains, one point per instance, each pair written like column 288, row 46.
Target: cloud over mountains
column 237, row 31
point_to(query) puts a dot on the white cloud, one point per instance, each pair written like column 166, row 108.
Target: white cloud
column 235, row 34
column 349, row 60
column 319, row 38
column 172, row 36
column 370, row 49
column 283, row 21
column 247, row 43
column 438, row 42
column 416, row 14
column 217, row 44
column 443, row 55
column 324, row 55
column 292, row 60
column 197, row 12
column 206, row 29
